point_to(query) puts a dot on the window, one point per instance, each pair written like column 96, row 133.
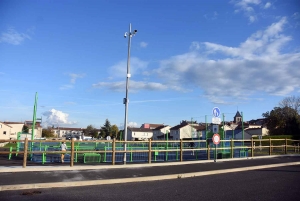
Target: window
column 4, row 132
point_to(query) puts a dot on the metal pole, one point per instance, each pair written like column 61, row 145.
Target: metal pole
column 243, row 129
column 223, row 132
column 127, row 86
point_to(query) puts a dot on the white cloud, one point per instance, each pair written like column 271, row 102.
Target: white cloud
column 13, row 37
column 74, row 77
column 296, row 15
column 260, row 64
column 212, row 16
column 143, row 44
column 267, row 5
column 66, row 87
column 56, row 117
column 132, row 124
column 195, row 46
column 135, row 86
column 247, row 7
column 257, row 65
column 120, row 69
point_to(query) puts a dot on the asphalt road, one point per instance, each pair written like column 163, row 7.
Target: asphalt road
column 272, row 184
column 12, row 178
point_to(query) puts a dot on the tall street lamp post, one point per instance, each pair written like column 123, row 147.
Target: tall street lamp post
column 126, row 100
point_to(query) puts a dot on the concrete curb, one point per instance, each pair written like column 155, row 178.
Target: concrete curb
column 137, row 179
column 5, row 169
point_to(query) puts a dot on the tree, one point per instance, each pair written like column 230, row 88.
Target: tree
column 114, row 131
column 25, row 129
column 292, row 102
column 48, row 132
column 283, row 121
column 91, row 131
column 106, row 128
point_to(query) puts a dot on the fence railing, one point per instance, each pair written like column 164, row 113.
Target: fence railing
column 113, row 152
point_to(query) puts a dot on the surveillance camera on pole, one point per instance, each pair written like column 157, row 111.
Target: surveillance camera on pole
column 126, row 100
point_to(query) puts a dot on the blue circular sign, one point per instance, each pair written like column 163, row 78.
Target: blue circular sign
column 216, row 112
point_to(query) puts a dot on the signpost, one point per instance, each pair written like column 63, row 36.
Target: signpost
column 216, row 141
column 216, row 113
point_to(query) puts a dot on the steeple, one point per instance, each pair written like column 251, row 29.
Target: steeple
column 237, row 118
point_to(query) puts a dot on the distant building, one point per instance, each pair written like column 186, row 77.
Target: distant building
column 15, row 128
column 5, row 131
column 161, row 132
column 138, row 134
column 151, row 126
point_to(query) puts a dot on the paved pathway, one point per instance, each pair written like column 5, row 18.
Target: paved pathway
column 32, row 177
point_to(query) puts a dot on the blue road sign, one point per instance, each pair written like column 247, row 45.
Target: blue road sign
column 216, row 112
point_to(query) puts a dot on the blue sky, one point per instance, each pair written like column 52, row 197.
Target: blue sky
column 187, row 57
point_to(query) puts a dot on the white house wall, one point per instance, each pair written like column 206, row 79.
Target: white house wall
column 4, row 131
column 15, row 128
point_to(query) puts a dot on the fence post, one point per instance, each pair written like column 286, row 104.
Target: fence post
column 208, row 150
column 286, row 146
column 150, row 153
column 270, row 146
column 72, row 153
column 114, row 151
column 252, row 148
column 231, row 148
column 10, row 150
column 181, row 146
column 25, row 153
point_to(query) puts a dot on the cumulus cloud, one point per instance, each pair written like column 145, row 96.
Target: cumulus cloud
column 56, row 117
column 137, row 66
column 143, row 44
column 257, row 65
column 132, row 124
column 11, row 36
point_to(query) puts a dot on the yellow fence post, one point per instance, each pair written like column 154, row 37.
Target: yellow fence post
column 114, row 152
column 252, row 148
column 231, row 148
column 286, row 146
column 270, row 146
column 72, row 153
column 208, row 150
column 25, row 153
column 149, row 154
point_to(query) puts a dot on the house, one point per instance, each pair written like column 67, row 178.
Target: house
column 16, row 127
column 182, row 131
column 37, row 130
column 239, row 135
column 199, row 132
column 5, row 131
column 255, row 132
column 65, row 131
column 151, row 126
column 161, row 132
column 139, row 133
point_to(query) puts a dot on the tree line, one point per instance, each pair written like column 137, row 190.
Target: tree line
column 106, row 130
column 284, row 119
